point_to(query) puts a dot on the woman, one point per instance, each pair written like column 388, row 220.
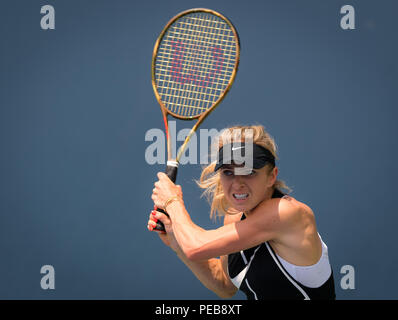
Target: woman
column 269, row 246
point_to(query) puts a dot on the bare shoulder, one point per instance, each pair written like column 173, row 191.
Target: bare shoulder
column 291, row 211
column 289, row 203
column 295, row 211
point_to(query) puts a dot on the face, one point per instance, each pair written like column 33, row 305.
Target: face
column 245, row 192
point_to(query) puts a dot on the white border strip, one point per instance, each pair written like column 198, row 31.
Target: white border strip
column 255, row 296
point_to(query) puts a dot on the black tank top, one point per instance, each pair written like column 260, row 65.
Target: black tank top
column 262, row 276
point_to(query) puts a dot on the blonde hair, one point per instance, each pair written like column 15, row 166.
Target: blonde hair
column 210, row 180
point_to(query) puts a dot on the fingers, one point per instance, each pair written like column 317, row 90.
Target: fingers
column 151, row 225
column 155, row 193
column 162, row 175
column 152, row 220
column 156, row 216
column 179, row 190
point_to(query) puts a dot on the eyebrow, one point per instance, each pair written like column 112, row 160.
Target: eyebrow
column 230, row 166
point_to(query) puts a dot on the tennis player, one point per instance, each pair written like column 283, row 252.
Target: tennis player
column 268, row 247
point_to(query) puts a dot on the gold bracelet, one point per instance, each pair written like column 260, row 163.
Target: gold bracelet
column 169, row 200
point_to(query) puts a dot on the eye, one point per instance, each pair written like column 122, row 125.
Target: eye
column 227, row 172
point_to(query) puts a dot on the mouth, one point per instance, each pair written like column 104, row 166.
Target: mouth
column 240, row 196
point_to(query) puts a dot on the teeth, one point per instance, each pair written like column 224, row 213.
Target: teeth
column 240, row 195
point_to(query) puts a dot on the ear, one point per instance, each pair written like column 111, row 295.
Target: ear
column 272, row 176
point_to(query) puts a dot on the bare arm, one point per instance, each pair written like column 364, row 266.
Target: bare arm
column 210, row 272
column 270, row 219
column 213, row 273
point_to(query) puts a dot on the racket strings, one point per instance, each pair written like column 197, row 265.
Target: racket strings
column 195, row 63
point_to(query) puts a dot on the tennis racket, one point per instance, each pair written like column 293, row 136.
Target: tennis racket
column 194, row 64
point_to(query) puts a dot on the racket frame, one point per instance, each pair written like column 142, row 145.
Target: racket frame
column 202, row 116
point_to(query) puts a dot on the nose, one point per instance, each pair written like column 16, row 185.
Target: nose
column 238, row 181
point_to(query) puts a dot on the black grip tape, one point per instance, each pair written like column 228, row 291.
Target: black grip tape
column 171, row 172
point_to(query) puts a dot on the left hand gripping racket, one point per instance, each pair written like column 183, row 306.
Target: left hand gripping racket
column 194, row 64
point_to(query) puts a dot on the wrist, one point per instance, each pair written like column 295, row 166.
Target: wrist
column 170, row 201
column 178, row 214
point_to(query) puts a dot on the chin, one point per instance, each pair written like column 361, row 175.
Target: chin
column 242, row 207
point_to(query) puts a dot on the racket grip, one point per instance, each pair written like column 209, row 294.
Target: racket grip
column 171, row 171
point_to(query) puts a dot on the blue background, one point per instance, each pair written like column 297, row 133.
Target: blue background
column 76, row 103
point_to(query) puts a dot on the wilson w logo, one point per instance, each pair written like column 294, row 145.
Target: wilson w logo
column 187, row 68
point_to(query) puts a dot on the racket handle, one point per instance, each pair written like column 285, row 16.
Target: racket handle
column 171, row 171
